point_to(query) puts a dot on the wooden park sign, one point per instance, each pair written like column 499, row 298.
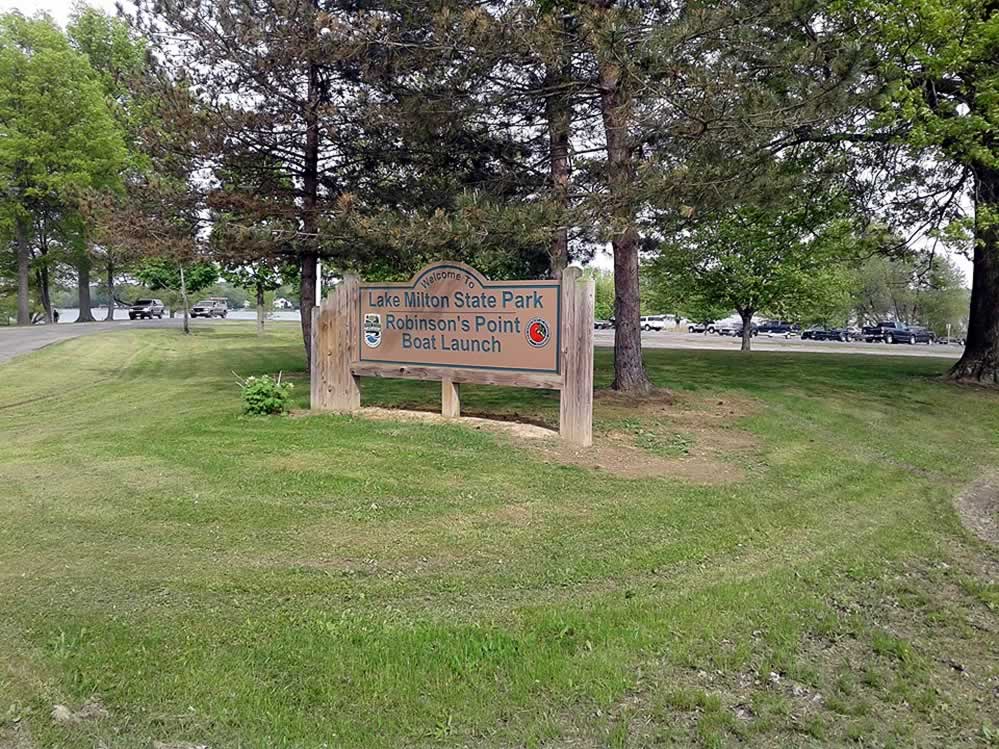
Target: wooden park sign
column 451, row 324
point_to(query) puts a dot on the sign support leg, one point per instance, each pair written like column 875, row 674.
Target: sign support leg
column 450, row 399
column 576, row 403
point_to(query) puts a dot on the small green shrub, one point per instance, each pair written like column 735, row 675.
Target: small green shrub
column 265, row 395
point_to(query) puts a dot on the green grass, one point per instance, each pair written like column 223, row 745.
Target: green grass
column 337, row 581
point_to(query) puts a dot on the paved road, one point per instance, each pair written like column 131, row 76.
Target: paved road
column 726, row 343
column 15, row 341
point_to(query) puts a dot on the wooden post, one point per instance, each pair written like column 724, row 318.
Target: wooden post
column 450, row 398
column 315, row 378
column 335, row 349
column 576, row 405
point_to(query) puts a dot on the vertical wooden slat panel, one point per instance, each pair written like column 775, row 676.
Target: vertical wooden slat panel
column 576, row 405
column 585, row 299
column 335, row 329
column 344, row 329
column 568, row 294
column 328, row 314
column 314, row 377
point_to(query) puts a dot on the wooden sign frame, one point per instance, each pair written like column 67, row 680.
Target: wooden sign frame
column 337, row 366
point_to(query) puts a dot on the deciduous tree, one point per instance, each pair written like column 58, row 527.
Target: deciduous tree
column 59, row 137
column 783, row 256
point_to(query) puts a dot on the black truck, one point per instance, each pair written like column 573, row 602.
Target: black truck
column 890, row 331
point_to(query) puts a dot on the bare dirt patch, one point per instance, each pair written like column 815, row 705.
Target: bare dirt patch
column 708, row 422
column 512, row 428
column 657, row 435
column 682, row 406
column 978, row 507
column 655, row 398
column 16, row 737
column 667, row 435
column 625, row 461
column 90, row 710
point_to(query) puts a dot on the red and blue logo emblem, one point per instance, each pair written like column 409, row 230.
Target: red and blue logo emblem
column 538, row 333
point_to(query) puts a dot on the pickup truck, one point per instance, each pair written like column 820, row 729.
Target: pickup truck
column 886, row 331
column 895, row 332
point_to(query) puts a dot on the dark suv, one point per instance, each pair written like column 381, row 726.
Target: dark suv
column 827, row 334
column 210, row 308
column 148, row 308
column 778, row 329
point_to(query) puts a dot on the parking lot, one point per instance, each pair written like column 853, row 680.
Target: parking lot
column 668, row 339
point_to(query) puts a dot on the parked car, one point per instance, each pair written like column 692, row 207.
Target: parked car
column 653, row 322
column 754, row 329
column 731, row 328
column 778, row 329
column 827, row 334
column 912, row 336
column 210, row 308
column 147, row 308
column 701, row 327
column 602, row 324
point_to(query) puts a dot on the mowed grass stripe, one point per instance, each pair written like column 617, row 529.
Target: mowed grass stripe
column 340, row 581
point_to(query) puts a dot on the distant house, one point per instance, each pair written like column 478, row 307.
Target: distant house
column 282, row 303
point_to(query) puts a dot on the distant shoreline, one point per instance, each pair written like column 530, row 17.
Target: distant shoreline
column 69, row 314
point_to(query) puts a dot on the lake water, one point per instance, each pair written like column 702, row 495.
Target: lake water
column 99, row 313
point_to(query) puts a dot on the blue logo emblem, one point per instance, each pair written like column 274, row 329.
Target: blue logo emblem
column 372, row 330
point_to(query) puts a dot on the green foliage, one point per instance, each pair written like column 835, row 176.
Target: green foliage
column 603, row 305
column 941, row 61
column 501, row 239
column 264, row 395
column 59, row 139
column 915, row 290
column 263, row 275
column 234, row 295
column 159, row 273
column 117, row 56
column 788, row 260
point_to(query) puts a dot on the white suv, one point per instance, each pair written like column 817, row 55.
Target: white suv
column 653, row 322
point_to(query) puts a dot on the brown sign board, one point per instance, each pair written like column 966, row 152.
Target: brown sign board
column 449, row 315
column 452, row 325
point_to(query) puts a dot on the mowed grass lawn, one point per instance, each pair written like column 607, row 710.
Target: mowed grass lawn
column 784, row 569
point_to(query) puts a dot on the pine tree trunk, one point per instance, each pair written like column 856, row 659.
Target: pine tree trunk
column 629, row 371
column 980, row 362
column 310, row 184
column 42, row 278
column 260, row 308
column 558, row 111
column 110, row 285
column 23, row 270
column 183, row 296
column 747, row 329
column 43, row 283
column 83, row 283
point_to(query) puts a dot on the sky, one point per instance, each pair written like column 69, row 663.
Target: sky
column 60, row 10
